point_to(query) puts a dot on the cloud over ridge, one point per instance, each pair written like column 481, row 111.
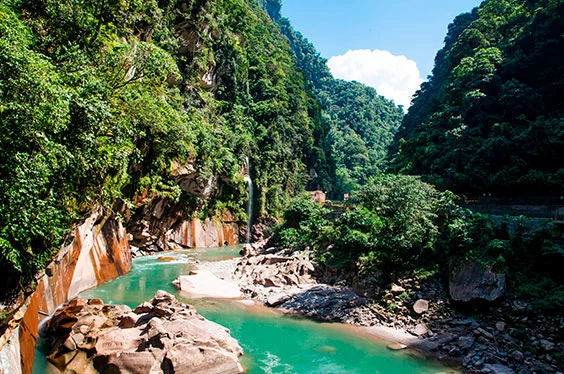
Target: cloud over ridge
column 394, row 77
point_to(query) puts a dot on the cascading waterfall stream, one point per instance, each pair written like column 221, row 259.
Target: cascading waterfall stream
column 249, row 181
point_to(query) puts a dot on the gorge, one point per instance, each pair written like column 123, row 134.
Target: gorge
column 268, row 339
column 132, row 129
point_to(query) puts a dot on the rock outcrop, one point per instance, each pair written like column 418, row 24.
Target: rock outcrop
column 471, row 281
column 275, row 270
column 160, row 336
column 160, row 225
column 286, row 281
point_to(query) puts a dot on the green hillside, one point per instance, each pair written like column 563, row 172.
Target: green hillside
column 491, row 118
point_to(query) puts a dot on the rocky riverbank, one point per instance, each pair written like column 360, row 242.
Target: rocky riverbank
column 162, row 335
column 501, row 337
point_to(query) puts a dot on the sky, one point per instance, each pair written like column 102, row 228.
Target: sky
column 387, row 44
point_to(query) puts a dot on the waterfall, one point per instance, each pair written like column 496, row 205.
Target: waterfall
column 250, row 203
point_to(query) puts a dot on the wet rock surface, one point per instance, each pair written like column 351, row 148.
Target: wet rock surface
column 159, row 336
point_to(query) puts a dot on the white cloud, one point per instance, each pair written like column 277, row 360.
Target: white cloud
column 394, row 77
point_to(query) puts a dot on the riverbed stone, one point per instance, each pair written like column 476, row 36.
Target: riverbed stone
column 465, row 342
column 203, row 283
column 499, row 369
column 500, row 326
column 420, row 329
column 546, row 345
column 177, row 340
column 396, row 346
column 397, row 289
column 421, row 306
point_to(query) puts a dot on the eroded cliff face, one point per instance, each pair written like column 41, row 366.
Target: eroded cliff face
column 161, row 225
column 95, row 252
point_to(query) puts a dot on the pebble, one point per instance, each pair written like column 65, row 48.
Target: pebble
column 500, row 326
column 396, row 346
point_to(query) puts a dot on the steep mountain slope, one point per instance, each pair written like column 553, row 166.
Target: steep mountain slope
column 491, row 118
column 105, row 102
column 362, row 123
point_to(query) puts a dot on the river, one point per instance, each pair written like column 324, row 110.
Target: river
column 273, row 342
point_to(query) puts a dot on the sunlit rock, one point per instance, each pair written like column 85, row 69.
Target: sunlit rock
column 203, row 283
column 163, row 335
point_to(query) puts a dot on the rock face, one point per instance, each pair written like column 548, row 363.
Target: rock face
column 186, row 175
column 472, row 281
column 160, row 336
column 318, row 197
column 160, row 226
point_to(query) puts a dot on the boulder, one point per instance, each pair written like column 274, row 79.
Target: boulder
column 499, row 369
column 421, row 306
column 471, row 281
column 396, row 289
column 203, row 283
column 272, row 270
column 170, row 337
column 546, row 345
column 465, row 342
column 419, row 330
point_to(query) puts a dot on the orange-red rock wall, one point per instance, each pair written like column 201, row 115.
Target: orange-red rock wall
column 98, row 252
column 204, row 234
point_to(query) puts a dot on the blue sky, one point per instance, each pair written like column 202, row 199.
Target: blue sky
column 411, row 28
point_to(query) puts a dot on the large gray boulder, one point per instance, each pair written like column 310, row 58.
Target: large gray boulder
column 471, row 281
column 161, row 336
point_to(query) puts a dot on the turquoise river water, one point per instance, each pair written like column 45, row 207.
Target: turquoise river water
column 273, row 343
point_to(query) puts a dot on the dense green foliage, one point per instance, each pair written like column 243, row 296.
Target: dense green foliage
column 394, row 226
column 491, row 117
column 362, row 123
column 401, row 225
column 100, row 101
column 529, row 251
